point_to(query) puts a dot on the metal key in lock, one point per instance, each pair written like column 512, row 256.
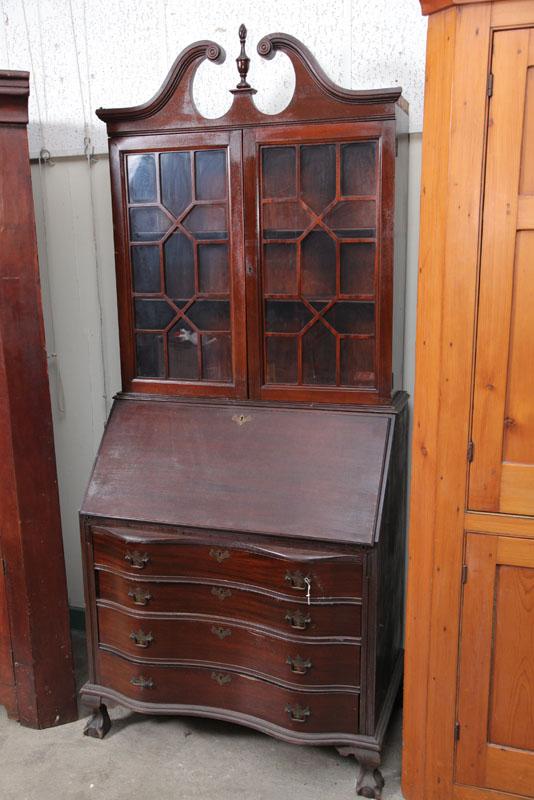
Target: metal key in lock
column 307, row 581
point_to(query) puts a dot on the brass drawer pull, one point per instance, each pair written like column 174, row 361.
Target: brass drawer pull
column 221, row 632
column 140, row 596
column 299, row 665
column 298, row 620
column 221, row 593
column 219, row 555
column 141, row 639
column 297, row 580
column 136, row 559
column 142, row 682
column 298, row 713
column 222, row 678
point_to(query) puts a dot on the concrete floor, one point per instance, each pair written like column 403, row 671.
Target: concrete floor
column 172, row 758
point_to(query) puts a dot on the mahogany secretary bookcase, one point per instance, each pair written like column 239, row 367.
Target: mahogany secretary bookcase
column 243, row 529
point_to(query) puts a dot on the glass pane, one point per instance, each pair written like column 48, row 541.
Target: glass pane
column 149, row 355
column 153, row 314
column 176, row 192
column 286, row 316
column 148, row 224
column 284, row 220
column 318, row 265
column 179, row 266
column 210, row 174
column 210, row 315
column 352, row 219
column 281, row 356
column 213, row 268
column 183, row 352
column 145, row 267
column 280, row 268
column 358, row 268
column 347, row 317
column 318, row 175
column 357, row 362
column 207, row 222
column 216, row 358
column 358, row 168
column 142, row 179
column 318, row 355
column 278, row 165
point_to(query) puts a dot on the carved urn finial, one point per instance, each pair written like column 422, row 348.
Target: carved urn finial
column 243, row 64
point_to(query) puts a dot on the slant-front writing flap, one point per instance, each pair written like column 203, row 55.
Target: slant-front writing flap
column 293, row 472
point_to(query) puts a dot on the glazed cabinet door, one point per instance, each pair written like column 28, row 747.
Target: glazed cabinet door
column 179, row 241
column 496, row 691
column 502, row 471
column 318, row 224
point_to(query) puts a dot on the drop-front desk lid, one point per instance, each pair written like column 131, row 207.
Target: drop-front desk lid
column 312, row 473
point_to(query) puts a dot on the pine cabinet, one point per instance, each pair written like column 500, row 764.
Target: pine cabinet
column 469, row 705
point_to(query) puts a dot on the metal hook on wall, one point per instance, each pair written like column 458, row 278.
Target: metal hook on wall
column 45, row 157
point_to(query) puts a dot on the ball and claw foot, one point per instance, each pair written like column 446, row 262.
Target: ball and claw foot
column 99, row 724
column 370, row 782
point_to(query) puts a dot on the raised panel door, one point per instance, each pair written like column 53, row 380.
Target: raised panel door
column 496, row 680
column 502, row 472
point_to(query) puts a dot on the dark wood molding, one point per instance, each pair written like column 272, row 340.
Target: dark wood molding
column 300, row 56
column 179, row 80
column 14, row 92
column 35, row 594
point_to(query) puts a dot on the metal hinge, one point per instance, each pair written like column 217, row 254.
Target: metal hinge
column 490, row 84
column 470, row 451
column 396, row 145
column 456, row 731
column 464, row 573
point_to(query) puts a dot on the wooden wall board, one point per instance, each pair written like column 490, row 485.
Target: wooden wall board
column 31, row 543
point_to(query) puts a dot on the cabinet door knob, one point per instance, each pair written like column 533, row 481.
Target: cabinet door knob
column 140, row 596
column 298, row 620
column 141, row 639
column 219, row 555
column 297, row 580
column 136, row 559
column 142, row 682
column 298, row 713
column 221, row 632
column 299, row 665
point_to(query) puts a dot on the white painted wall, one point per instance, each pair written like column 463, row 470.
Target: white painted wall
column 88, row 53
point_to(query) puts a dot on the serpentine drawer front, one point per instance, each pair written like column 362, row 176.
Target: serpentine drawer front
column 290, row 659
column 194, row 688
column 132, row 552
column 258, row 606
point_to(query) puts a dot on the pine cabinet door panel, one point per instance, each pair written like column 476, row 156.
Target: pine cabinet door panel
column 496, row 690
column 502, row 472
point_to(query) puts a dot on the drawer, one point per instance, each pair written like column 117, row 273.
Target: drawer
column 199, row 688
column 329, row 575
column 284, row 614
column 217, row 641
